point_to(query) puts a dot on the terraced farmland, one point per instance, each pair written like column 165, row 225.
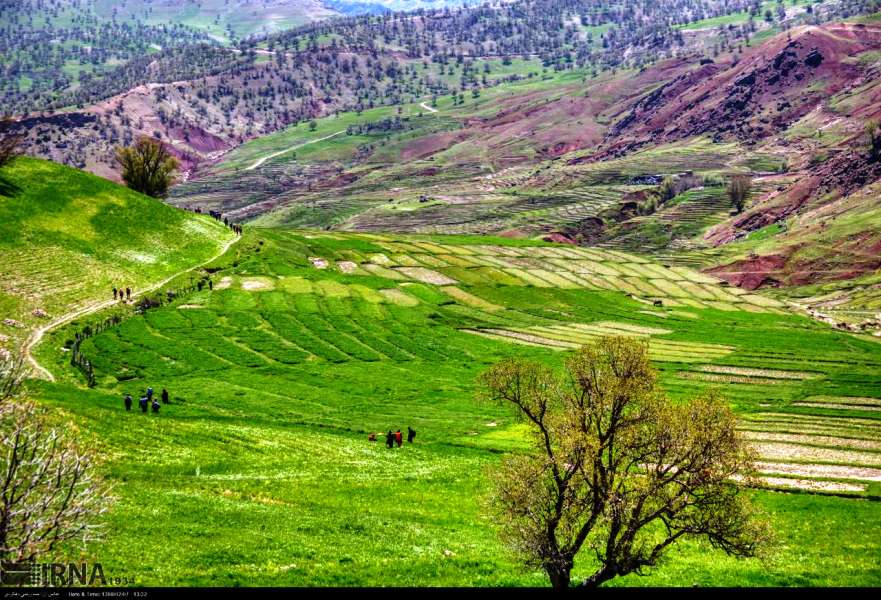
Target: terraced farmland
column 310, row 341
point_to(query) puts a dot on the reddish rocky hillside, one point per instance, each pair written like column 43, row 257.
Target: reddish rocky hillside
column 767, row 89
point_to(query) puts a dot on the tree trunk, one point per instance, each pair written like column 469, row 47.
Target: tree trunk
column 559, row 577
column 598, row 578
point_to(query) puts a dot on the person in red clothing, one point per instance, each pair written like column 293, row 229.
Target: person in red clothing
column 399, row 438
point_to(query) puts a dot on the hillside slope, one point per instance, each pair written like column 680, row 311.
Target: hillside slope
column 203, row 100
column 68, row 237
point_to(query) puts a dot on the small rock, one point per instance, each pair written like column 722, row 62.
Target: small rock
column 12, row 323
column 39, row 312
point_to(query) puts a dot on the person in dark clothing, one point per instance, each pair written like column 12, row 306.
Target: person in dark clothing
column 114, row 293
column 411, row 435
column 390, row 440
column 149, row 393
column 155, row 405
column 399, row 438
column 128, row 293
column 128, row 402
column 210, row 285
column 143, row 404
column 164, row 396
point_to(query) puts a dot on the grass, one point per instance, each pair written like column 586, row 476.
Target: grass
column 68, row 237
column 260, row 473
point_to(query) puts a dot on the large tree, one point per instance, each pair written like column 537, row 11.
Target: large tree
column 147, row 167
column 49, row 489
column 615, row 467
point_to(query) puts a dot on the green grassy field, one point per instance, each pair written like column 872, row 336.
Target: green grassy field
column 68, row 237
column 259, row 472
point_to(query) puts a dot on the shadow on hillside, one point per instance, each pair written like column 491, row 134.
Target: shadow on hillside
column 8, row 188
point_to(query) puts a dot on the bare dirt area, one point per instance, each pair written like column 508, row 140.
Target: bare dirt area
column 784, row 451
column 257, row 284
column 814, row 440
column 828, row 471
column 813, row 485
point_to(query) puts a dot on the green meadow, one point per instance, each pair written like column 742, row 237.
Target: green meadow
column 68, row 237
column 259, row 472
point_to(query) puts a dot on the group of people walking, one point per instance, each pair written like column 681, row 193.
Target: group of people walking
column 148, row 400
column 395, row 437
column 218, row 216
column 122, row 294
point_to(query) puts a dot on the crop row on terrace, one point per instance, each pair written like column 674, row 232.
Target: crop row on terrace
column 565, row 268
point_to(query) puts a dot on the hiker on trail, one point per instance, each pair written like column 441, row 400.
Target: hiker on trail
column 164, row 396
column 411, row 435
column 128, row 293
column 210, row 285
column 114, row 293
column 390, row 440
column 399, row 438
column 143, row 404
column 128, row 402
column 155, row 405
column 200, row 285
column 149, row 393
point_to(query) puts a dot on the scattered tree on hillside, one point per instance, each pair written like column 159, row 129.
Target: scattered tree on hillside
column 667, row 189
column 738, row 191
column 147, row 167
column 9, row 142
column 873, row 135
column 616, row 467
column 50, row 491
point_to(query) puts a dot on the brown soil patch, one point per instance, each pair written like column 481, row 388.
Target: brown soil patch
column 783, row 451
column 253, row 285
column 830, row 471
column 821, row 440
column 836, row 405
column 813, row 485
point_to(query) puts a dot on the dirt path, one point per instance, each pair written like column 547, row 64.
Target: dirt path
column 292, row 148
column 37, row 335
column 428, row 108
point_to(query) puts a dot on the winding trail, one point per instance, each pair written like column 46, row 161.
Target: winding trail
column 34, row 339
column 428, row 108
column 292, row 148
